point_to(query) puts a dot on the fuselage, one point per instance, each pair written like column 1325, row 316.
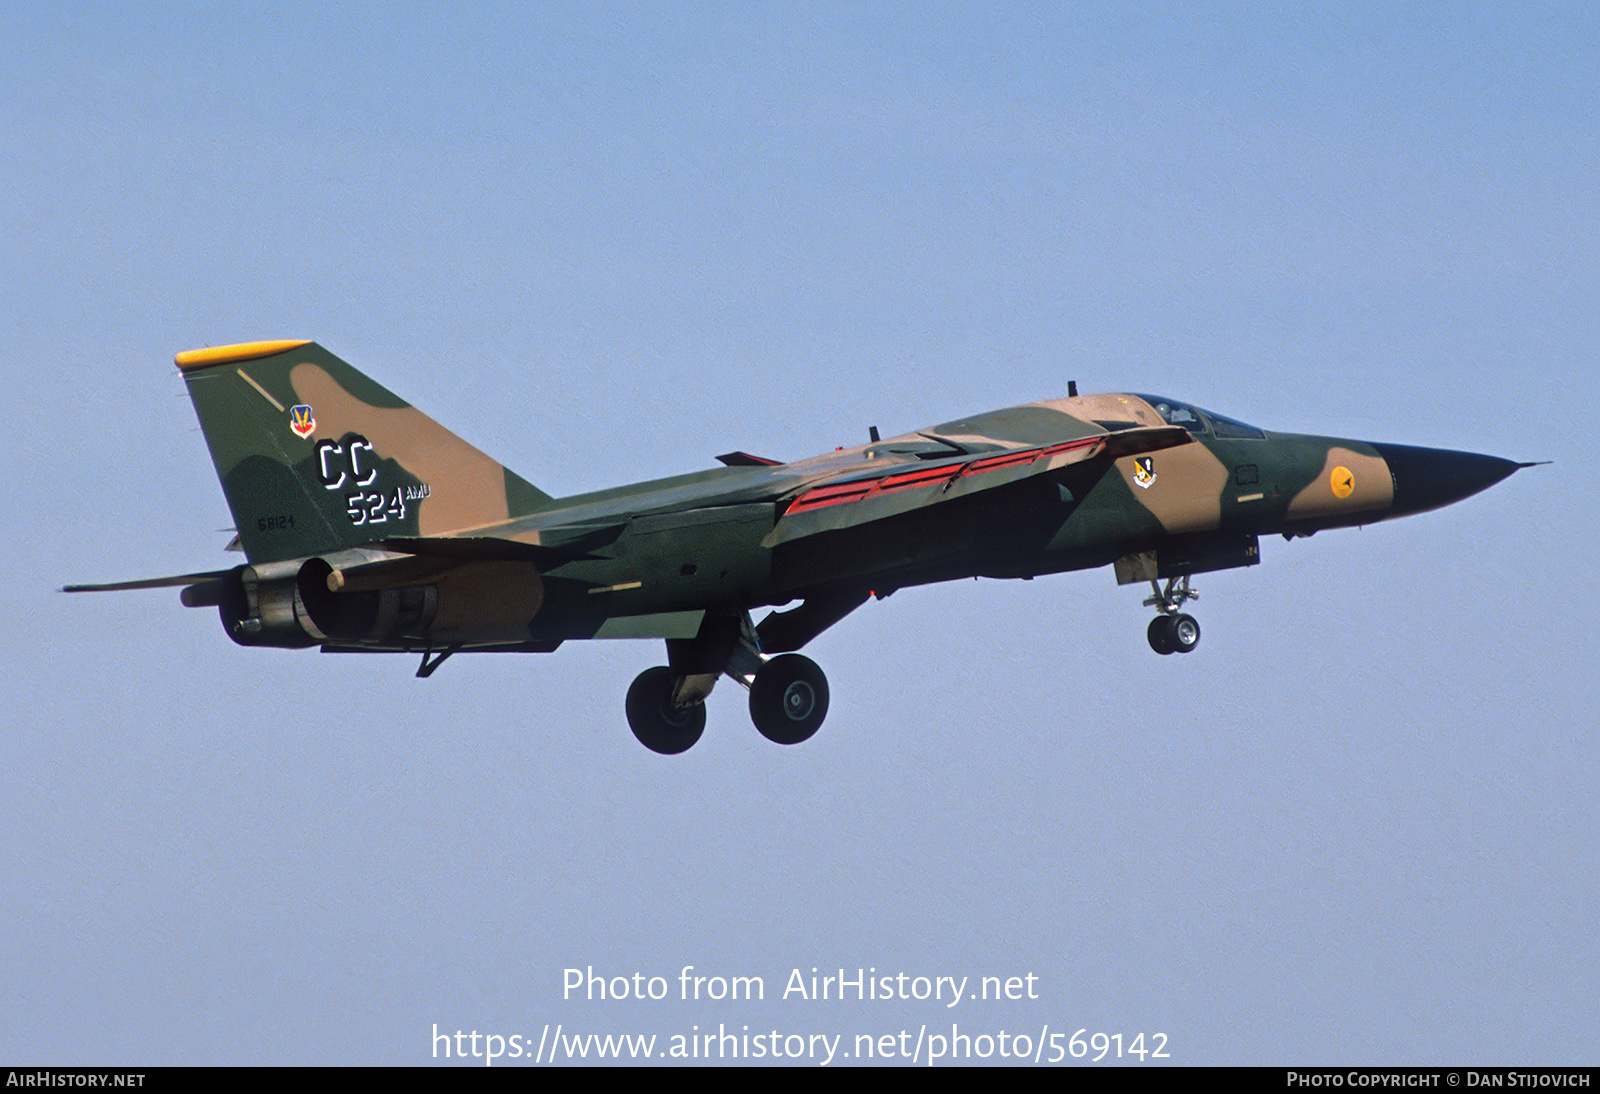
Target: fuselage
column 717, row 537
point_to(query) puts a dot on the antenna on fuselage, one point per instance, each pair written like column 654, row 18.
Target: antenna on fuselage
column 1072, row 389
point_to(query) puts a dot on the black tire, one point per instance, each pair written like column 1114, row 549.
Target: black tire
column 660, row 726
column 1185, row 633
column 789, row 699
column 1160, row 635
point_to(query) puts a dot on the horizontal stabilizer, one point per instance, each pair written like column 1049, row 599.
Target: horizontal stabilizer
column 149, row 583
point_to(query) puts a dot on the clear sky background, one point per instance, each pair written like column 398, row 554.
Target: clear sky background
column 606, row 243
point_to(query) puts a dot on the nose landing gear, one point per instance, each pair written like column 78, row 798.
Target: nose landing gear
column 1172, row 631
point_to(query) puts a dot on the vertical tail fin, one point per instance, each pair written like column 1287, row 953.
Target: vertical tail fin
column 315, row 457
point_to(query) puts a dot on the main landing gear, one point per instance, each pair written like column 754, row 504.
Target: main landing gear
column 789, row 699
column 1172, row 631
column 655, row 716
column 666, row 704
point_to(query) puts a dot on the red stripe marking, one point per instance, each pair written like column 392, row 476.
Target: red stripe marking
column 839, row 493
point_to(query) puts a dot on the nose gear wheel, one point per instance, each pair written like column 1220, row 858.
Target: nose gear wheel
column 1172, row 631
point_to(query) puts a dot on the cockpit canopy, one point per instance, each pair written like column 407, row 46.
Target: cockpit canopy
column 1202, row 422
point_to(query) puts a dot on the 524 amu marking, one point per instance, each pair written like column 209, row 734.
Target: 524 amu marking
column 377, row 508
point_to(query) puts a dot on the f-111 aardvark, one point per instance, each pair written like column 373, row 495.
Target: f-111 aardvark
column 368, row 527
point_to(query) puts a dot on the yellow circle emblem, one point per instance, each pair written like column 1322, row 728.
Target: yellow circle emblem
column 1343, row 481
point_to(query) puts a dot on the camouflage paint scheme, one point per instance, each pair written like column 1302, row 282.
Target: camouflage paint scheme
column 367, row 526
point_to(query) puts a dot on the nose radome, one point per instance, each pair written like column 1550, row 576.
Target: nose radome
column 1427, row 478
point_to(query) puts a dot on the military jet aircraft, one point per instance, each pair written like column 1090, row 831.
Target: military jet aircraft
column 368, row 527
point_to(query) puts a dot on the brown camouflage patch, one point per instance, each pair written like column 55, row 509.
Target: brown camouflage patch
column 1107, row 408
column 487, row 603
column 1348, row 483
column 466, row 489
column 1182, row 486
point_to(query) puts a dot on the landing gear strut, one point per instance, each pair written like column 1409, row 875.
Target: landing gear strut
column 1172, row 631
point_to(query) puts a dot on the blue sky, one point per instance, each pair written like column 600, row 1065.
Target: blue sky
column 605, row 245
